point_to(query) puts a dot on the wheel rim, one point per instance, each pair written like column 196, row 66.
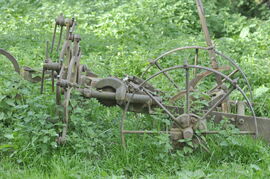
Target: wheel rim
column 186, row 67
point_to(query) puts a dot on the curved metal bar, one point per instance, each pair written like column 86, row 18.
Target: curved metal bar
column 179, row 49
column 70, row 68
column 204, row 48
column 214, row 71
column 12, row 59
column 237, row 67
column 62, row 138
column 172, row 51
column 186, row 66
column 63, row 59
column 167, row 76
column 252, row 110
column 64, row 50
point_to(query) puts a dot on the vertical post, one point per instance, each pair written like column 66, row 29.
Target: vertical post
column 47, row 50
column 53, row 39
column 187, row 89
column 52, row 76
column 122, row 134
column 196, row 61
column 241, row 108
column 212, row 54
column 208, row 39
column 60, row 38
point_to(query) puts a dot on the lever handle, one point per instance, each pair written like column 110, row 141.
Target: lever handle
column 42, row 80
column 54, row 32
column 43, row 69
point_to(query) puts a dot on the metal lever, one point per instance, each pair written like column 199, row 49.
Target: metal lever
column 59, row 21
column 42, row 81
column 43, row 69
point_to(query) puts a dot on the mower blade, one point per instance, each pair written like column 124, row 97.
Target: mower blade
column 246, row 123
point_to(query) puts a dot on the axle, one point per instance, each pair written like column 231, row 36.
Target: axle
column 133, row 98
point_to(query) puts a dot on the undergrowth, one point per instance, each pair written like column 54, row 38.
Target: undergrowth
column 118, row 38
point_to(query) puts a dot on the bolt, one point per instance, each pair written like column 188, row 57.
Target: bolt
column 188, row 133
column 184, row 120
column 193, row 120
column 77, row 37
column 176, row 134
column 241, row 121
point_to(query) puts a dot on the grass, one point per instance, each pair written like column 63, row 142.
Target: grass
column 118, row 39
column 140, row 161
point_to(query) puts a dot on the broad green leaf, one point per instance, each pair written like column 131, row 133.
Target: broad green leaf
column 260, row 91
column 244, row 32
column 2, row 115
column 9, row 136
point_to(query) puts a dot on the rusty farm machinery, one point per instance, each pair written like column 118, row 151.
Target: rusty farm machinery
column 173, row 92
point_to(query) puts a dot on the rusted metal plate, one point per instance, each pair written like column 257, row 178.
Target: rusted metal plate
column 246, row 123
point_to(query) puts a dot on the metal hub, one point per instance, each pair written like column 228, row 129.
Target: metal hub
column 184, row 128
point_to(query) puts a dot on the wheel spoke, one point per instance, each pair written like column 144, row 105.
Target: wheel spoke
column 218, row 86
column 167, row 76
column 187, row 91
column 196, row 60
column 160, row 104
column 193, row 83
column 218, row 102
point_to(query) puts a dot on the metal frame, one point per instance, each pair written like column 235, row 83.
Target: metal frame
column 138, row 95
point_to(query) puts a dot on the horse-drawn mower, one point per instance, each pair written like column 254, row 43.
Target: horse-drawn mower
column 190, row 93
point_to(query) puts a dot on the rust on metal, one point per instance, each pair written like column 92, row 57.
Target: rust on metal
column 209, row 43
column 12, row 59
column 142, row 95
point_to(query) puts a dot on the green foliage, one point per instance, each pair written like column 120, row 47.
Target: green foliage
column 119, row 37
